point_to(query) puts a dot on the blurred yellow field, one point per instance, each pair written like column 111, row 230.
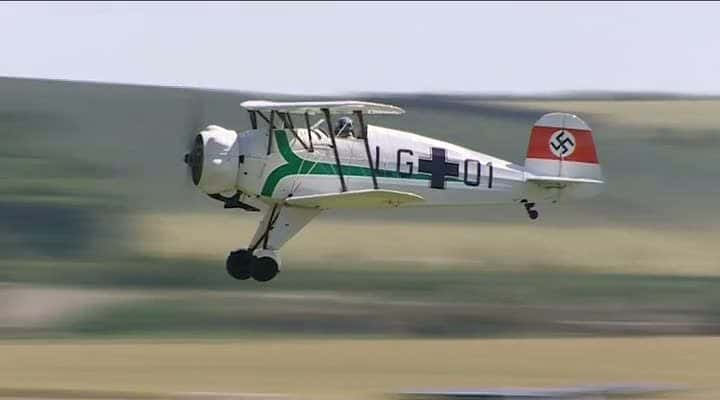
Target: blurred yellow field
column 688, row 115
column 360, row 369
column 597, row 249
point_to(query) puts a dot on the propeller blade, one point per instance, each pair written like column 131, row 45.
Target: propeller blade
column 193, row 124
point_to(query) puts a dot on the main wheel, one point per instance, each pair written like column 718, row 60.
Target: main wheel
column 533, row 214
column 239, row 264
column 264, row 268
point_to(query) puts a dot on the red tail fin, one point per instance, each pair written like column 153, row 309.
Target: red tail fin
column 562, row 145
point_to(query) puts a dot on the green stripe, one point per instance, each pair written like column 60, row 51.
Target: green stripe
column 297, row 166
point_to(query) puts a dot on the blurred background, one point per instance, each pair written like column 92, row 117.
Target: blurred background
column 112, row 263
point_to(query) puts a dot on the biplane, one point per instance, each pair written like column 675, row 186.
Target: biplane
column 300, row 158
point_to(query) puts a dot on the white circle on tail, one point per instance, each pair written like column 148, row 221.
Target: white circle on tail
column 562, row 143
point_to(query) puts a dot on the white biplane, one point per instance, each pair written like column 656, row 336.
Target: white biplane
column 329, row 157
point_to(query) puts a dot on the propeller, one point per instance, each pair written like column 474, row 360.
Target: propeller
column 194, row 120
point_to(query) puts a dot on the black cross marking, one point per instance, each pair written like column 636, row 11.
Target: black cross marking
column 560, row 142
column 438, row 167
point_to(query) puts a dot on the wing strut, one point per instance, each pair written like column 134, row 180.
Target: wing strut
column 364, row 131
column 263, row 233
column 270, row 130
column 287, row 120
column 307, row 125
column 326, row 111
column 253, row 119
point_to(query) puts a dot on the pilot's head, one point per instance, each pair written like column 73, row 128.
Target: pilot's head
column 344, row 126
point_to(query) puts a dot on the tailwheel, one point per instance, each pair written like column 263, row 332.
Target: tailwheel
column 533, row 214
column 239, row 264
column 530, row 208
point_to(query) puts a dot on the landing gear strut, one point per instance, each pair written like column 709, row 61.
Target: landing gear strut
column 242, row 264
column 529, row 207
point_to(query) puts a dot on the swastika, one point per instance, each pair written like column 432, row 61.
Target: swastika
column 562, row 143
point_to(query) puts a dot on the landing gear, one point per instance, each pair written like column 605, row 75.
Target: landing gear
column 262, row 267
column 261, row 260
column 239, row 264
column 529, row 207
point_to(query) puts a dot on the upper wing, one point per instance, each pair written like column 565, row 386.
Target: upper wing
column 355, row 199
column 315, row 107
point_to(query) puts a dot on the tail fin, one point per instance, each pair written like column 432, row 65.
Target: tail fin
column 561, row 145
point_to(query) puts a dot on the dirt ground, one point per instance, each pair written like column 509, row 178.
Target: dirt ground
column 360, row 369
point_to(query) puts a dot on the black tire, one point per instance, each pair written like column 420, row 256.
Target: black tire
column 239, row 264
column 264, row 269
column 533, row 214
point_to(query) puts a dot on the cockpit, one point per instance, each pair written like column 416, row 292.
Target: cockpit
column 344, row 128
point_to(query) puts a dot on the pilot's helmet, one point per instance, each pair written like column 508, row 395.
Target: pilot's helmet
column 344, row 125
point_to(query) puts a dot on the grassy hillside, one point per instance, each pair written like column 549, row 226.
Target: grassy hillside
column 123, row 145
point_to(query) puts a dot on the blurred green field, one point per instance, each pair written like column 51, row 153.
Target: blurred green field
column 180, row 299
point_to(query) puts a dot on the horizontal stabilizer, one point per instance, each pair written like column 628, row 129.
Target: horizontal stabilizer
column 562, row 187
column 560, row 180
column 355, row 199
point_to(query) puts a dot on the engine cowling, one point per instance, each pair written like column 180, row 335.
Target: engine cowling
column 213, row 160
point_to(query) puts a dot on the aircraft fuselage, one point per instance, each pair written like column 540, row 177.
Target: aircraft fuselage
column 444, row 174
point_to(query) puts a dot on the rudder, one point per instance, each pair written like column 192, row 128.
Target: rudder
column 562, row 145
